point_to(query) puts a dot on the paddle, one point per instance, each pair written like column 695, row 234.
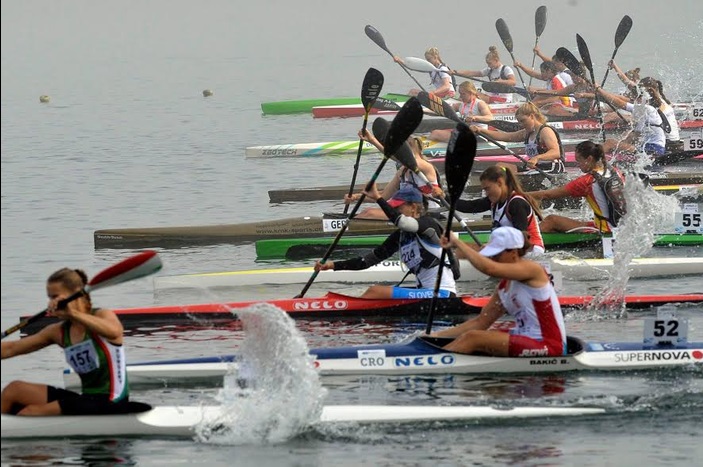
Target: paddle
column 503, row 88
column 381, row 103
column 134, row 267
column 586, row 57
column 620, row 35
column 376, row 36
column 572, row 63
column 394, row 143
column 505, row 125
column 418, row 64
column 504, row 34
column 443, row 108
column 461, row 152
column 370, row 89
column 540, row 23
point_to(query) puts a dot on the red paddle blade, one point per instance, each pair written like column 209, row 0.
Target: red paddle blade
column 134, row 267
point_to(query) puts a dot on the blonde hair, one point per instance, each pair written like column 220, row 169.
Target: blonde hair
column 433, row 52
column 529, row 109
column 493, row 53
column 468, row 86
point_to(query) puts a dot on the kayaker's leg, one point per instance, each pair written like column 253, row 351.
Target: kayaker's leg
column 378, row 291
column 555, row 223
column 22, row 394
column 488, row 342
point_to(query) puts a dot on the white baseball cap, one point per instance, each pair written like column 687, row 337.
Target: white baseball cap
column 503, row 238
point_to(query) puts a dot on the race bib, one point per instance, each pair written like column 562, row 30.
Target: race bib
column 531, row 149
column 83, row 357
column 689, row 219
column 410, row 254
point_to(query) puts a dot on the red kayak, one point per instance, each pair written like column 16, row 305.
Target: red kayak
column 339, row 306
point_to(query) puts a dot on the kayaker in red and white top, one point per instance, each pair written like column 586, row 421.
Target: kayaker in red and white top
column 495, row 72
column 550, row 104
column 440, row 80
column 92, row 339
column 509, row 205
column 525, row 293
column 471, row 109
column 590, row 159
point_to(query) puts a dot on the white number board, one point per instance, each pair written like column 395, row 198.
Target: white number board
column 689, row 219
column 697, row 112
column 694, row 141
column 665, row 329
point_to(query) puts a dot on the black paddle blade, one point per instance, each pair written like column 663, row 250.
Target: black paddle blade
column 505, row 125
column 402, row 126
column 504, row 34
column 461, row 152
column 385, row 104
column 371, row 87
column 623, row 30
column 540, row 20
column 376, row 36
column 571, row 62
column 585, row 56
column 437, row 105
column 502, row 88
column 404, row 155
column 380, row 127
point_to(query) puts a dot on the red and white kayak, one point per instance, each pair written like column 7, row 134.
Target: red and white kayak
column 340, row 306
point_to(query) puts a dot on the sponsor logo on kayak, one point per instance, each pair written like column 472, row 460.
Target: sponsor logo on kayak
column 280, row 152
column 658, row 356
column 425, row 360
column 534, row 352
column 321, row 305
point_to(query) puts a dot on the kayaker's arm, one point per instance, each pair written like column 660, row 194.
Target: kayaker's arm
column 554, row 193
column 44, row 338
column 489, row 315
column 381, row 252
column 473, row 205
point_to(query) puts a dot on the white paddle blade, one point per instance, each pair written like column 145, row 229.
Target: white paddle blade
column 134, row 267
column 418, row 64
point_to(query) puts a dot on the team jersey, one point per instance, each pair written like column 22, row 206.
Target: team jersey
column 100, row 364
column 437, row 80
column 534, row 145
column 647, row 123
column 470, row 109
column 493, row 74
column 587, row 187
column 536, row 311
column 557, row 83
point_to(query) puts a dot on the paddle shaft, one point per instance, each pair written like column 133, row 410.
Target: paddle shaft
column 332, row 246
column 358, row 158
column 41, row 314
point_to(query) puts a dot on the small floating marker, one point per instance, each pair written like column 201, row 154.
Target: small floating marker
column 207, row 93
column 44, row 99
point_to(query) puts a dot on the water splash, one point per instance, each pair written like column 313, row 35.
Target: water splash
column 647, row 213
column 275, row 393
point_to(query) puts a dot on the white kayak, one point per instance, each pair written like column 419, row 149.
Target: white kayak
column 167, row 421
column 392, row 271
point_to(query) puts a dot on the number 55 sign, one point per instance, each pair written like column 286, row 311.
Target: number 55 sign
column 689, row 219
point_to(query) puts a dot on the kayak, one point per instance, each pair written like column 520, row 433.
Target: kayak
column 339, row 306
column 357, row 110
column 306, row 248
column 392, row 272
column 177, row 237
column 425, row 355
column 306, row 105
column 182, row 421
column 422, row 354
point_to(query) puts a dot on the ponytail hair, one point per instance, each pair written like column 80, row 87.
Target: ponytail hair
column 495, row 173
column 594, row 150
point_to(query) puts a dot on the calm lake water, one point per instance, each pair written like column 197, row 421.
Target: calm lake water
column 128, row 140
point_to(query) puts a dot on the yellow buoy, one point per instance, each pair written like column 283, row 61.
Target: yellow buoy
column 207, row 93
column 44, row 99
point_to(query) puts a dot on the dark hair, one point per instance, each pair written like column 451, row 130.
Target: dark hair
column 495, row 172
column 548, row 66
column 72, row 279
column 589, row 148
column 527, row 247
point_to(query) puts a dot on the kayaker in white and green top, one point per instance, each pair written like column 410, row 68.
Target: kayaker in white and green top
column 92, row 339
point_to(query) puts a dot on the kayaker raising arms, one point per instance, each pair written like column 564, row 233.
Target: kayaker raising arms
column 92, row 340
column 417, row 239
column 525, row 292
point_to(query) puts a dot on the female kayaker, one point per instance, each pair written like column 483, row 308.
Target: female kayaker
column 417, row 240
column 525, row 292
column 92, row 340
column 440, row 80
column 509, row 205
column 607, row 205
column 402, row 178
column 496, row 72
column 656, row 89
column 558, row 103
column 542, row 143
column 471, row 109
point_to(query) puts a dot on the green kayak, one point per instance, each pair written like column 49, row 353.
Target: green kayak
column 306, row 105
column 305, row 248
